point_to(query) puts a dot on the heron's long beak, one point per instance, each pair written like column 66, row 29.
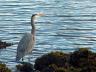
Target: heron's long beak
column 40, row 14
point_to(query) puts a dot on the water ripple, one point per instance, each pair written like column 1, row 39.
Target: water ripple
column 66, row 26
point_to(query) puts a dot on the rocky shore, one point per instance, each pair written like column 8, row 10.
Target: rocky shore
column 81, row 60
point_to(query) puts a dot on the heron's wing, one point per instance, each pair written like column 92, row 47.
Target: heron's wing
column 23, row 45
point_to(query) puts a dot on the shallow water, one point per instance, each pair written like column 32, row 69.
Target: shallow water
column 66, row 26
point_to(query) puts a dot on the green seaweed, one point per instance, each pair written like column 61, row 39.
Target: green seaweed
column 25, row 67
column 3, row 68
column 81, row 60
column 57, row 58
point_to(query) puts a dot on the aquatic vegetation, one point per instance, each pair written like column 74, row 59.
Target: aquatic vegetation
column 25, row 67
column 57, row 58
column 3, row 68
column 81, row 60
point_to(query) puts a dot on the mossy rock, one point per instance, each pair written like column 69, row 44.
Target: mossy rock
column 79, row 58
column 25, row 67
column 3, row 68
column 54, row 68
column 85, row 59
column 57, row 58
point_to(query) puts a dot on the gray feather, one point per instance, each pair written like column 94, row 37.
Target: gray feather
column 25, row 46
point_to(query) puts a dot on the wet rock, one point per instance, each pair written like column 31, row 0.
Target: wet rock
column 4, row 44
column 3, row 68
column 81, row 60
column 47, row 60
column 25, row 67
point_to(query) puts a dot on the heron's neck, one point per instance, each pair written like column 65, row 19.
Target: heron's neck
column 33, row 26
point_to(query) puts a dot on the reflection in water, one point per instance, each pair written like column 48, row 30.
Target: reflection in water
column 67, row 25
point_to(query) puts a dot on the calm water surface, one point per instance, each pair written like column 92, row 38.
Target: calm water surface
column 66, row 26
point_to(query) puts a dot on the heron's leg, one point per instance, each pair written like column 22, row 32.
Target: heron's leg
column 22, row 59
column 29, row 58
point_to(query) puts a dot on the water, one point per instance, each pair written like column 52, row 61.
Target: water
column 66, row 26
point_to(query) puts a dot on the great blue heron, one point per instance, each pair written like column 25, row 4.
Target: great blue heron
column 26, row 44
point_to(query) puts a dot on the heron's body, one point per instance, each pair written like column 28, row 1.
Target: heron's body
column 27, row 43
column 25, row 46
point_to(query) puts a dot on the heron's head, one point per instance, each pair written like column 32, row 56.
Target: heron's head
column 35, row 15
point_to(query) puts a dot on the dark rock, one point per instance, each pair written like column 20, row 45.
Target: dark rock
column 25, row 67
column 57, row 58
column 3, row 68
column 81, row 60
column 4, row 44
